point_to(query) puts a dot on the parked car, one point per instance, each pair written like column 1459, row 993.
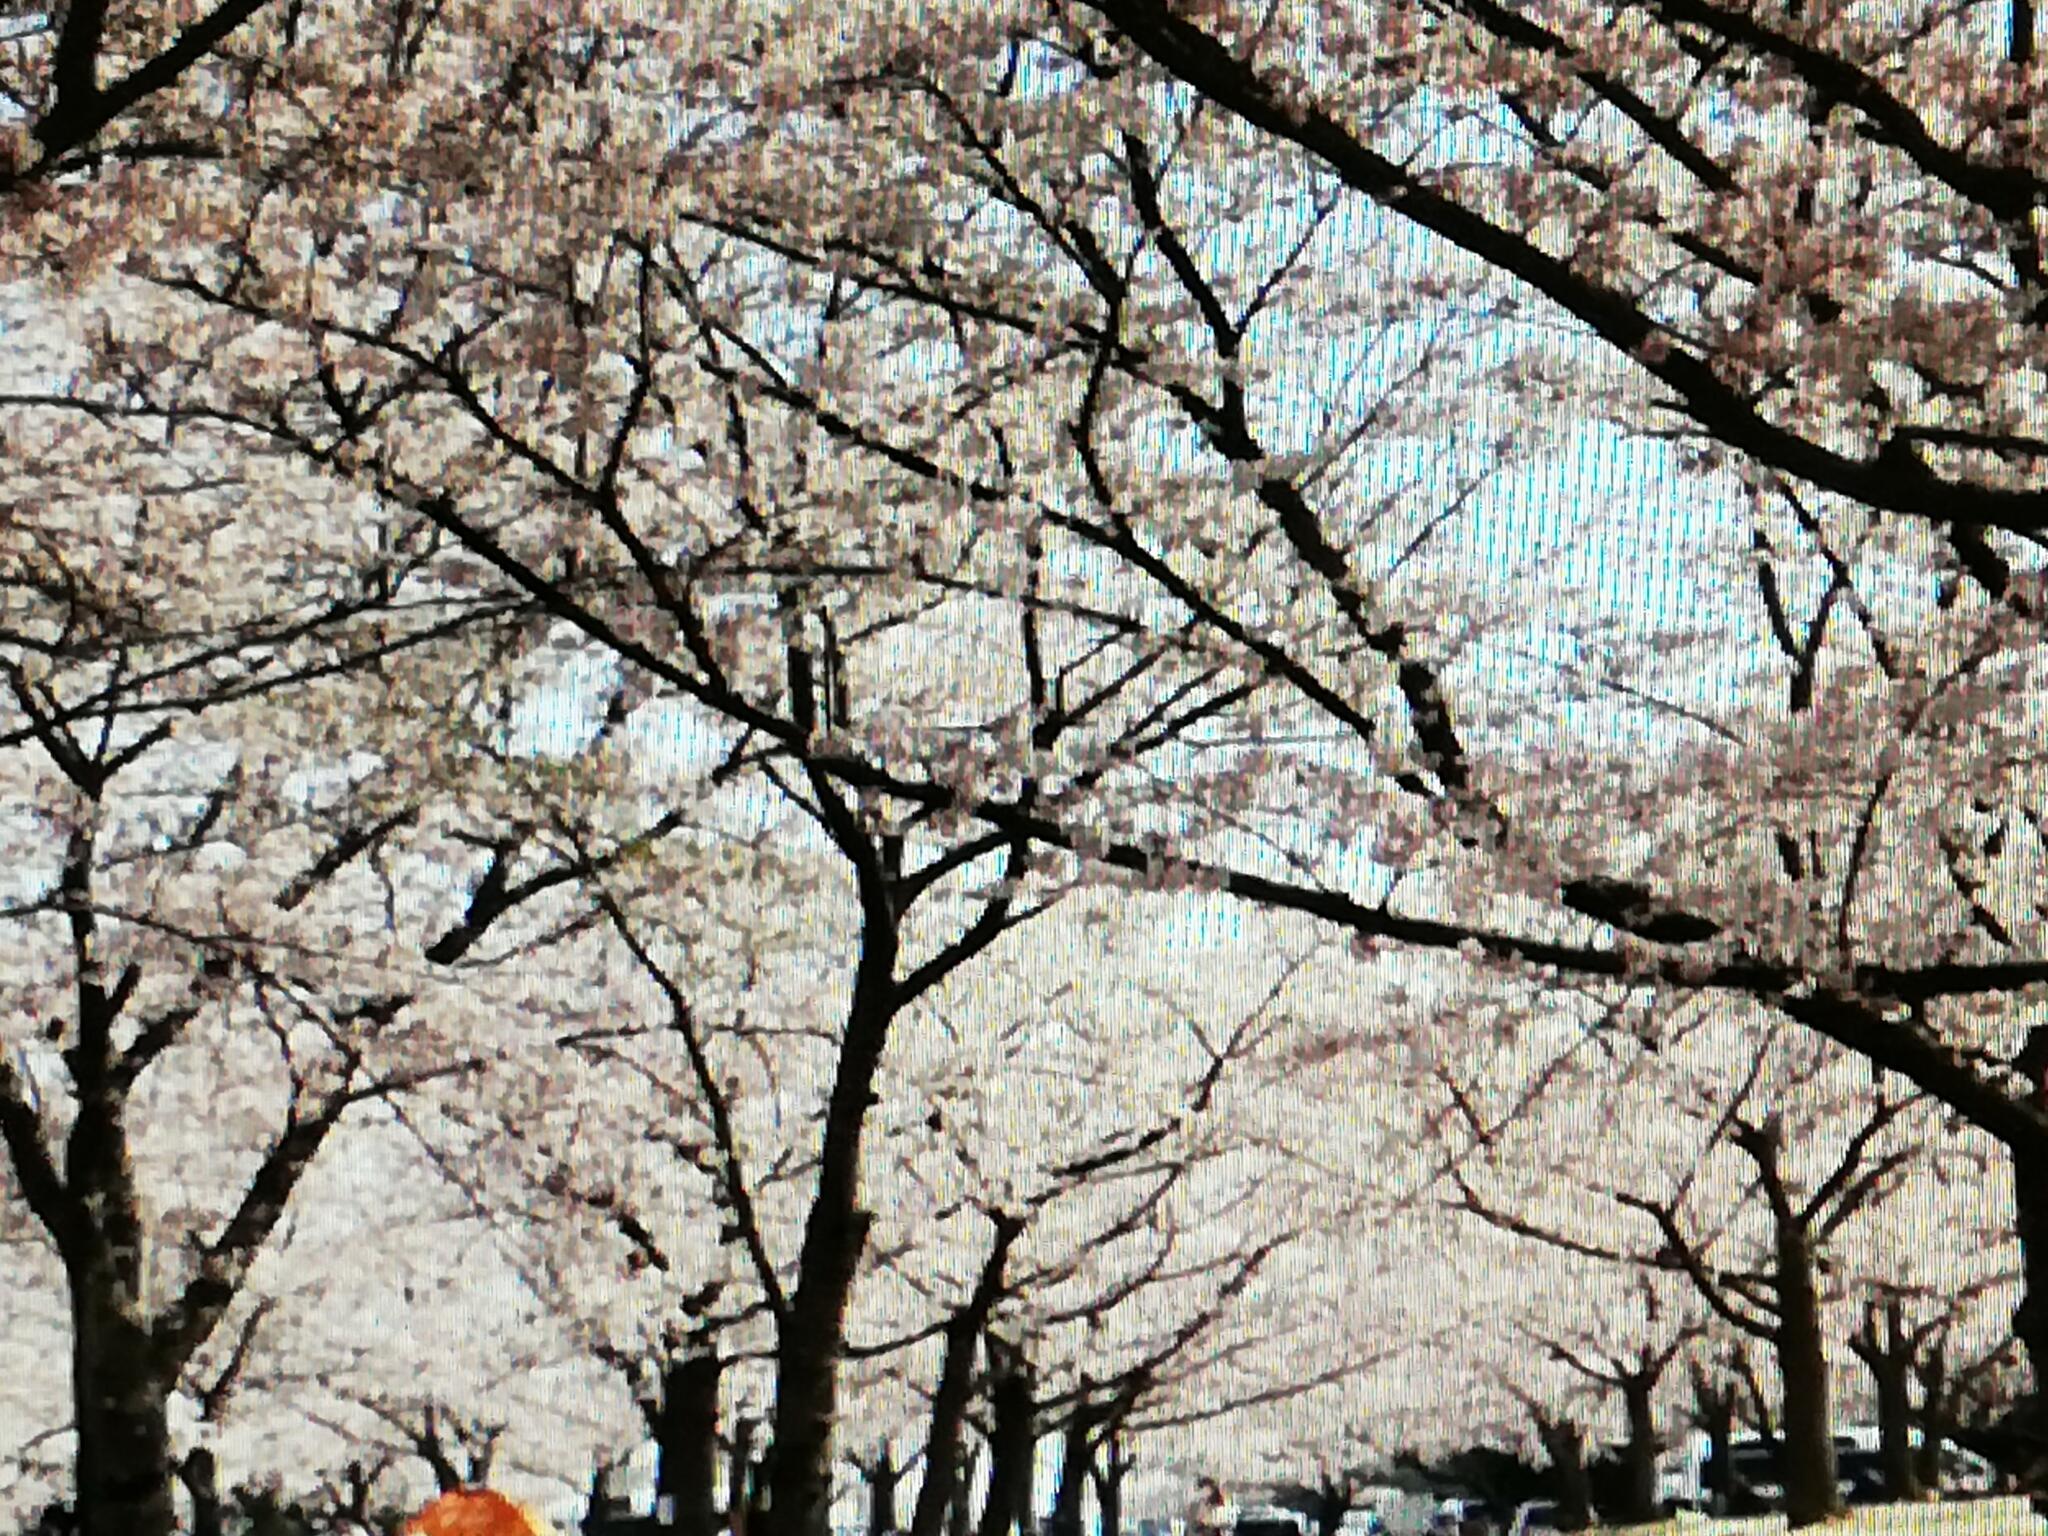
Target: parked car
column 1962, row 1472
column 1754, row 1466
column 1859, row 1470
column 1682, row 1472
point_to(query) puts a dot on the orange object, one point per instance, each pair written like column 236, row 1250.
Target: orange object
column 476, row 1512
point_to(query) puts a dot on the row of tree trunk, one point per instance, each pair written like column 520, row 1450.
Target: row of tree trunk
column 1799, row 1437
column 709, row 1482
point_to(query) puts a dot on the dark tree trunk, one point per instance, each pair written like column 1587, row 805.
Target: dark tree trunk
column 943, row 1490
column 1886, row 1350
column 1565, row 1444
column 811, row 1329
column 2029, row 1420
column 1930, row 1368
column 1927, row 1466
column 1007, row 1505
column 1076, row 1452
column 128, row 1350
column 739, row 1479
column 1638, row 1454
column 810, row 1334
column 960, row 1516
column 267, row 1512
column 1807, row 1448
column 124, row 1467
column 884, row 1476
column 686, row 1441
column 353, row 1504
column 1109, row 1472
column 1332, row 1504
column 120, row 1389
column 1895, row 1442
column 200, row 1474
column 940, row 1489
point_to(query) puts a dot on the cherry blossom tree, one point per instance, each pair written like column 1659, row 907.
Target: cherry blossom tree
column 209, row 916
column 964, row 418
column 222, row 901
column 1935, row 1319
column 1626, row 1350
column 1755, row 1233
column 1759, row 312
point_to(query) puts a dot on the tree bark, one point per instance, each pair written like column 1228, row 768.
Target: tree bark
column 1807, row 1444
column 811, row 1333
column 960, row 1516
column 942, row 1489
column 884, row 1475
column 1332, row 1502
column 200, row 1474
column 1007, row 1504
column 1638, row 1454
column 1895, row 1450
column 1076, row 1453
column 124, row 1468
column 124, row 1471
column 1930, row 1367
column 1109, row 1472
column 1886, row 1350
column 1565, row 1444
column 2029, row 1420
column 128, row 1349
column 739, row 1479
column 686, row 1441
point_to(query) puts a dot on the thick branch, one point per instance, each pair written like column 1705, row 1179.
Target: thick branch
column 1894, row 480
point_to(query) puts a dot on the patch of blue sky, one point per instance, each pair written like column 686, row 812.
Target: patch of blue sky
column 1597, row 527
column 1364, row 247
column 559, row 718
